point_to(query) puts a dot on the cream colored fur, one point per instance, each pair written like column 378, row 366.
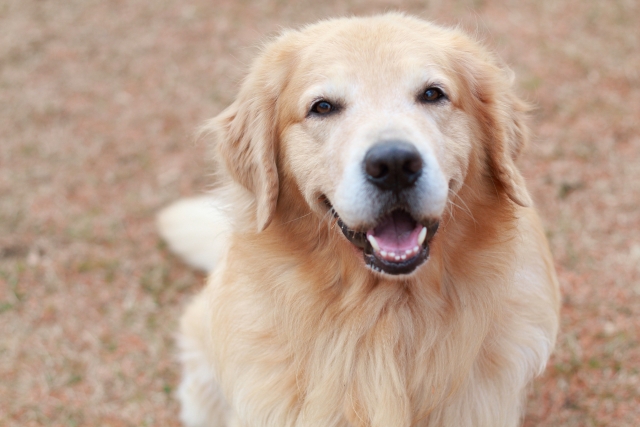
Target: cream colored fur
column 197, row 229
column 292, row 328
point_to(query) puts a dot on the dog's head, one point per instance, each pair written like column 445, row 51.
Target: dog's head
column 377, row 122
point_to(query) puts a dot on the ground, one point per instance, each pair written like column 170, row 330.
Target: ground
column 99, row 105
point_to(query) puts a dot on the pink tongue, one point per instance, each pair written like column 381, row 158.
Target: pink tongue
column 397, row 232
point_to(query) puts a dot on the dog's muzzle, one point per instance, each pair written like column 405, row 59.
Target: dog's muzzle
column 396, row 245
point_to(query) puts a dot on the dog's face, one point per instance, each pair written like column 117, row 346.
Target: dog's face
column 375, row 136
column 376, row 121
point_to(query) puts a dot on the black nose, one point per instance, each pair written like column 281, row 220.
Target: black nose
column 393, row 165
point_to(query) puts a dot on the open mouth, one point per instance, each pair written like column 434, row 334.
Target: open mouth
column 397, row 244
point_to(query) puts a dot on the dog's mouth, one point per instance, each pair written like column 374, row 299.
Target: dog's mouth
column 397, row 244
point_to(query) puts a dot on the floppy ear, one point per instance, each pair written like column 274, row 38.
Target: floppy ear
column 246, row 132
column 510, row 135
column 502, row 116
column 245, row 144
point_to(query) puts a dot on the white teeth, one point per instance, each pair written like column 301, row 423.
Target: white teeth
column 422, row 236
column 393, row 256
column 374, row 243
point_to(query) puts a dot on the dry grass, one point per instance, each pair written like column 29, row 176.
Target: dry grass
column 99, row 101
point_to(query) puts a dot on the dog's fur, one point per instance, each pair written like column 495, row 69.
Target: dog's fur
column 293, row 329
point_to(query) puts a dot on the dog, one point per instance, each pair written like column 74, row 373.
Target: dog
column 374, row 256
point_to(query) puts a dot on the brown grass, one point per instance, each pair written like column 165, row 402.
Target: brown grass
column 98, row 104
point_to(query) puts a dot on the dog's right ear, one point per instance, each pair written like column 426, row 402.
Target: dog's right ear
column 245, row 132
column 245, row 145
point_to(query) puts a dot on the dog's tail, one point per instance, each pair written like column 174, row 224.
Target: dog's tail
column 196, row 229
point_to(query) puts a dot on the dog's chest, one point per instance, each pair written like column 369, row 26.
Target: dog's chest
column 374, row 366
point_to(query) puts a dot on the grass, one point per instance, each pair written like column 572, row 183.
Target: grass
column 100, row 102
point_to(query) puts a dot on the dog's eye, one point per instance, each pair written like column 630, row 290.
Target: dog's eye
column 322, row 107
column 432, row 94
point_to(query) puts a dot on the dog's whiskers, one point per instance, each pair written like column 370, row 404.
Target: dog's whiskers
column 464, row 208
column 327, row 218
column 333, row 220
column 295, row 219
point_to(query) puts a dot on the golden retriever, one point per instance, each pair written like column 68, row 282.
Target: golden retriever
column 378, row 261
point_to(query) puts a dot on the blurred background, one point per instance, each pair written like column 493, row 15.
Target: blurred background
column 99, row 101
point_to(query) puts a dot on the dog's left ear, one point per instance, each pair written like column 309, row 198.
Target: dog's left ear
column 510, row 135
column 502, row 117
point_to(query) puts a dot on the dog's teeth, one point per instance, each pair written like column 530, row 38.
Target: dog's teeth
column 408, row 251
column 374, row 243
column 392, row 254
column 416, row 249
column 422, row 236
column 397, row 258
column 383, row 253
column 403, row 257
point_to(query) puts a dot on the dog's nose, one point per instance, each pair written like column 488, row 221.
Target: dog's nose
column 393, row 165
